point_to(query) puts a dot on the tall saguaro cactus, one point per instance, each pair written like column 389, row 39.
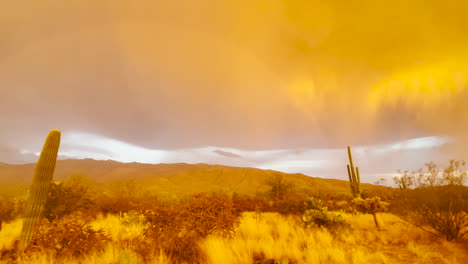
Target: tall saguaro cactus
column 354, row 177
column 42, row 178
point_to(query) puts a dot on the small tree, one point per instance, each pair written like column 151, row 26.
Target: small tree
column 405, row 181
column 431, row 177
column 455, row 173
column 279, row 187
column 371, row 206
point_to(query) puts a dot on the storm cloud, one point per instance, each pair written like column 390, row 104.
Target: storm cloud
column 248, row 75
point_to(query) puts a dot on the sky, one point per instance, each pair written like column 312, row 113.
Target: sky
column 273, row 84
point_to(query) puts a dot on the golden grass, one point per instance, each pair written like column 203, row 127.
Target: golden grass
column 113, row 227
column 9, row 233
column 281, row 238
column 111, row 255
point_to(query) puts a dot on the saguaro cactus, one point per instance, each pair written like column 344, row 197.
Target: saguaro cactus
column 42, row 178
column 354, row 177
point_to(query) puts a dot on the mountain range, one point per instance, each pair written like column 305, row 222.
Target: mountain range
column 176, row 179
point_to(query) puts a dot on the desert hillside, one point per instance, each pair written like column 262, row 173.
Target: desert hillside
column 176, row 179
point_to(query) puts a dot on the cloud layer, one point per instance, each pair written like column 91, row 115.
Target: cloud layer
column 251, row 75
column 375, row 161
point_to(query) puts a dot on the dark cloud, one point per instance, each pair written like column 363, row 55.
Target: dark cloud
column 227, row 154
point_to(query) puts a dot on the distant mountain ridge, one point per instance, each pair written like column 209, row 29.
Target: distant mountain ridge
column 174, row 179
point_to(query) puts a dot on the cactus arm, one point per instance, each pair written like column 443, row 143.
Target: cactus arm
column 358, row 183
column 42, row 178
column 349, row 174
column 358, row 176
column 350, row 179
column 351, row 164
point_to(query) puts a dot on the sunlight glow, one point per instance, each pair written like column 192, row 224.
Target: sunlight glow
column 423, row 87
column 84, row 145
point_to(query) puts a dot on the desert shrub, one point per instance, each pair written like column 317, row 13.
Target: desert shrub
column 441, row 210
column 124, row 196
column 317, row 213
column 279, row 188
column 67, row 237
column 64, row 199
column 314, row 204
column 385, row 193
column 371, row 206
column 77, row 193
column 438, row 201
column 177, row 229
column 290, row 205
column 453, row 174
column 210, row 214
column 164, row 223
column 406, row 180
column 7, row 210
column 342, row 206
column 251, row 204
column 132, row 218
column 322, row 218
column 162, row 232
column 146, row 200
column 115, row 205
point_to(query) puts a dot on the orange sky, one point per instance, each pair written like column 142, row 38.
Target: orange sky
column 261, row 74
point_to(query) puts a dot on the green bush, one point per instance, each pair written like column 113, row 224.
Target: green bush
column 317, row 214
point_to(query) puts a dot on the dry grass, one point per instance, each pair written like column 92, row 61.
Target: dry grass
column 9, row 233
column 115, row 227
column 113, row 254
column 282, row 238
column 277, row 237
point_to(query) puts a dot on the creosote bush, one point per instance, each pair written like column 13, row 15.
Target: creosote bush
column 435, row 199
column 441, row 210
